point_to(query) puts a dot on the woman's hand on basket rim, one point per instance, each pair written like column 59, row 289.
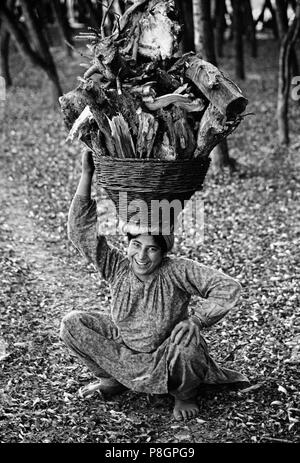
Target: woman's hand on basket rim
column 87, row 163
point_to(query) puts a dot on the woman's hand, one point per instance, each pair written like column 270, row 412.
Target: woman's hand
column 87, row 163
column 188, row 329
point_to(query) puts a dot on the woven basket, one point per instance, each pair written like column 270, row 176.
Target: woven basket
column 149, row 180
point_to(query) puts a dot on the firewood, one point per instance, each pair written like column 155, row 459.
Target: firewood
column 159, row 33
column 165, row 151
column 133, row 101
column 183, row 101
column 166, row 81
column 121, row 137
column 213, row 128
column 185, row 140
column 146, row 135
column 218, row 89
column 82, row 123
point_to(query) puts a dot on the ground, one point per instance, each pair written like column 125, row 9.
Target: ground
column 250, row 233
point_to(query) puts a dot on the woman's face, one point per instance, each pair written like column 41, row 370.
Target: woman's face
column 144, row 255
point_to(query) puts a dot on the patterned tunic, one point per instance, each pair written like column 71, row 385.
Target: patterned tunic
column 146, row 312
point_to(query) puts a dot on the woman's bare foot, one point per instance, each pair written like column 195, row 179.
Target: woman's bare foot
column 185, row 409
column 106, row 386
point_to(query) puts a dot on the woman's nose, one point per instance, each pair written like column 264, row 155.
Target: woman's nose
column 142, row 254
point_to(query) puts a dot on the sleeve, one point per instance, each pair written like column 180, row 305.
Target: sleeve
column 218, row 291
column 82, row 232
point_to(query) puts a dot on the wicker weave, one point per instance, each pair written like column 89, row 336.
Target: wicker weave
column 149, row 180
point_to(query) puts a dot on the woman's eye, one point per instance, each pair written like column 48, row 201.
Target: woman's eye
column 153, row 249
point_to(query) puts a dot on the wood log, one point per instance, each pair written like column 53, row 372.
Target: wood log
column 121, row 137
column 185, row 140
column 158, row 31
column 81, row 124
column 213, row 128
column 182, row 101
column 146, row 134
column 165, row 151
column 217, row 88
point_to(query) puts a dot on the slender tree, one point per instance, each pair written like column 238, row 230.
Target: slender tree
column 237, row 21
column 203, row 31
column 4, row 56
column 273, row 21
column 284, row 76
column 41, row 44
column 283, row 25
column 95, row 13
column 220, row 26
column 185, row 10
column 63, row 25
column 250, row 26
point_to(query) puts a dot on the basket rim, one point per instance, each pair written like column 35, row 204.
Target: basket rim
column 153, row 160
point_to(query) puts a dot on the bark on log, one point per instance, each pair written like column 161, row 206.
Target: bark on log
column 146, row 134
column 218, row 89
column 213, row 128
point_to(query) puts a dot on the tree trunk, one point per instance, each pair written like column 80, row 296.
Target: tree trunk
column 4, row 56
column 261, row 16
column 42, row 46
column 238, row 39
column 63, row 26
column 281, row 17
column 283, row 25
column 274, row 22
column 284, row 79
column 203, row 31
column 220, row 26
column 186, row 15
column 250, row 27
column 95, row 14
column 11, row 23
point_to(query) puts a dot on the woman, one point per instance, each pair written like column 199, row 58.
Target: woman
column 150, row 342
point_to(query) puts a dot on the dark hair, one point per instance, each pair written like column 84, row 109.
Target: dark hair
column 159, row 241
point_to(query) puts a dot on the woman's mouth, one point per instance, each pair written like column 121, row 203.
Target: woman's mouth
column 141, row 264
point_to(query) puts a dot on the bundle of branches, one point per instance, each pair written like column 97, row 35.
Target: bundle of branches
column 140, row 99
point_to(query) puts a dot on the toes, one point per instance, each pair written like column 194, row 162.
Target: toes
column 177, row 415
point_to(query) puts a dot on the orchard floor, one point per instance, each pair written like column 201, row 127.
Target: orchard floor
column 250, row 232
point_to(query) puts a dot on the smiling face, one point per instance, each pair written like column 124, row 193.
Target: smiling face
column 144, row 255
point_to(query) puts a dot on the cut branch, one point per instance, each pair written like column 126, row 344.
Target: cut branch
column 218, row 89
